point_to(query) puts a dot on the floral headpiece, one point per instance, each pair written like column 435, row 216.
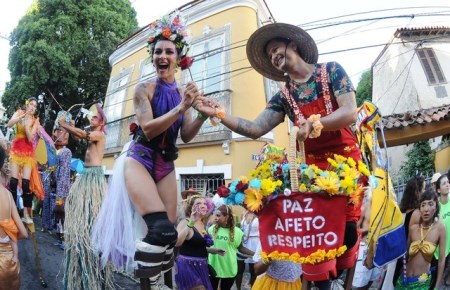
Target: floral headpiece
column 170, row 27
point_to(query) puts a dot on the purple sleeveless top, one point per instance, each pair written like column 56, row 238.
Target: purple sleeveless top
column 165, row 98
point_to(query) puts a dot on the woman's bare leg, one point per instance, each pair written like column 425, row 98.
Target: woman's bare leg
column 152, row 253
column 167, row 189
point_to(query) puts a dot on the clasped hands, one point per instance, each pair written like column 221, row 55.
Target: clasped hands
column 192, row 97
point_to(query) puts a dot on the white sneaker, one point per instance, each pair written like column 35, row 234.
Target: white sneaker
column 26, row 218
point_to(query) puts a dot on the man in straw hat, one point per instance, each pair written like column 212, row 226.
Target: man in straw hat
column 318, row 98
column 82, row 264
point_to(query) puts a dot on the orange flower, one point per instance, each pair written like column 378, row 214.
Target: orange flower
column 166, row 33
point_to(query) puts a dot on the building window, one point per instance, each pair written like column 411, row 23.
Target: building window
column 211, row 65
column 202, row 183
column 431, row 66
column 115, row 104
column 147, row 69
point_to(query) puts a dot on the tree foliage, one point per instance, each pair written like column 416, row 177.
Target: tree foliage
column 420, row 159
column 364, row 89
column 61, row 48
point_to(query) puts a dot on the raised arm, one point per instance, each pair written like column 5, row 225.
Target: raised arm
column 79, row 133
column 153, row 127
column 17, row 116
column 266, row 121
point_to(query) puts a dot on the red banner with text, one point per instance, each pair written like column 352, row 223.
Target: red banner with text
column 303, row 223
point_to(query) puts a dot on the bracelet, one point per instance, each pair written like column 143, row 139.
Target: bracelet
column 220, row 114
column 316, row 126
column 190, row 224
column 201, row 116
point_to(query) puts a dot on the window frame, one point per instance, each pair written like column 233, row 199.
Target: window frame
column 431, row 66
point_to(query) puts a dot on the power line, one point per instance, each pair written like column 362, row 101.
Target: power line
column 224, row 73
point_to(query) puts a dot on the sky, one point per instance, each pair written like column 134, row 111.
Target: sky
column 354, row 45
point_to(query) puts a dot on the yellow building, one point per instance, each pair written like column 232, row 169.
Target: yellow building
column 220, row 29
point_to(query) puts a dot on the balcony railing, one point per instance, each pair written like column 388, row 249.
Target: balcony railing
column 117, row 132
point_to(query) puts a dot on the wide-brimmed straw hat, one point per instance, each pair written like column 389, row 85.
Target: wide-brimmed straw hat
column 256, row 45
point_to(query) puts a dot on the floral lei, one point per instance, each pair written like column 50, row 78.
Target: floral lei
column 170, row 27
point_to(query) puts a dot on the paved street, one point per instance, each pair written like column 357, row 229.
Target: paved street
column 52, row 258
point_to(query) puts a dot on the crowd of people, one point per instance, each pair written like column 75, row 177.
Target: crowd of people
column 131, row 223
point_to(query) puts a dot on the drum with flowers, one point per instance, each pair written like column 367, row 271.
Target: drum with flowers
column 301, row 208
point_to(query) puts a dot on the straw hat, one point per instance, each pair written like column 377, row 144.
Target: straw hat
column 256, row 45
column 190, row 191
column 435, row 177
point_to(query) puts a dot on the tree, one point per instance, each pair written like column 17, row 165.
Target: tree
column 364, row 89
column 60, row 48
column 420, row 159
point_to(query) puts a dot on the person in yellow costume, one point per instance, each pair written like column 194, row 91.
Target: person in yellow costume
column 22, row 156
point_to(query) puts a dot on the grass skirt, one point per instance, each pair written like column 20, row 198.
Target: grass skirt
column 192, row 272
column 83, row 270
column 118, row 225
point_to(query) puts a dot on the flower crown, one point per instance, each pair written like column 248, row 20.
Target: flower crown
column 170, row 27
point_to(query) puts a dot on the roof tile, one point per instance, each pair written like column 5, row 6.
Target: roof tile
column 415, row 118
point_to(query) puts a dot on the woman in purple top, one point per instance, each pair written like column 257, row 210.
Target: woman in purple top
column 163, row 109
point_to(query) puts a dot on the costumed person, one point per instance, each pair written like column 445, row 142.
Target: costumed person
column 62, row 179
column 442, row 187
column 48, row 220
column 163, row 109
column 195, row 244
column 276, row 274
column 11, row 228
column 319, row 98
column 82, row 263
column 409, row 205
column 22, row 156
column 228, row 237
column 364, row 277
column 250, row 227
column 422, row 242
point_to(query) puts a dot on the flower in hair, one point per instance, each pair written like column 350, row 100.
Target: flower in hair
column 27, row 102
column 170, row 27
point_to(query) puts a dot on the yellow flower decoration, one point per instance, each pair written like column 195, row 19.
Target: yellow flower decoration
column 423, row 277
column 328, row 183
column 348, row 183
column 268, row 186
column 332, row 163
column 351, row 162
column 253, row 199
column 303, row 188
column 244, row 179
column 27, row 102
column 363, row 168
column 339, row 158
